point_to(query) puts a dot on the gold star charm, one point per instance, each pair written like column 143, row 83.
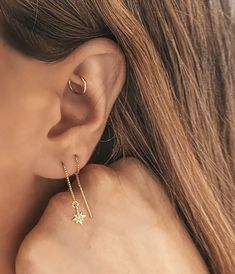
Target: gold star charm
column 79, row 217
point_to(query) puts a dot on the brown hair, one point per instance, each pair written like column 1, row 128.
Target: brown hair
column 176, row 112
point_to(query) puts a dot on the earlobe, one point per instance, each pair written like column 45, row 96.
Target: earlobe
column 98, row 67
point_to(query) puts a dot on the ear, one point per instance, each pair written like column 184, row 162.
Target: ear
column 82, row 118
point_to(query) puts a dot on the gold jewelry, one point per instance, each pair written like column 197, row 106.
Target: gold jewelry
column 74, row 87
column 78, row 216
column 80, row 186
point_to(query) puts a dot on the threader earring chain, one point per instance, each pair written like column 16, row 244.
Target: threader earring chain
column 80, row 186
column 78, row 216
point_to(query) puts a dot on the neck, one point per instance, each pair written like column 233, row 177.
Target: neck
column 22, row 201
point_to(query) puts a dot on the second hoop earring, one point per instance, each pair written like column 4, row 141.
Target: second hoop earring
column 74, row 87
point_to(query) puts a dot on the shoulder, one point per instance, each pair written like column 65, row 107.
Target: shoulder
column 133, row 216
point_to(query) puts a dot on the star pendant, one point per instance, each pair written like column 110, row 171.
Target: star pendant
column 79, row 217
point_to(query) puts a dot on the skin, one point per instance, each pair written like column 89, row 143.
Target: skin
column 42, row 124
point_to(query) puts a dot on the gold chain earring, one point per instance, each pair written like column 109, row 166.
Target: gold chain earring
column 80, row 186
column 78, row 216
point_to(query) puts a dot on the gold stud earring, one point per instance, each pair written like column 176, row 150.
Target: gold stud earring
column 80, row 186
column 74, row 87
column 78, row 216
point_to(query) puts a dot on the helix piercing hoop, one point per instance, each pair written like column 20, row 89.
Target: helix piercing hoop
column 72, row 86
column 78, row 216
column 79, row 184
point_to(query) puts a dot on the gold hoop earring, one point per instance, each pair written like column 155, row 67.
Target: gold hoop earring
column 80, row 186
column 78, row 216
column 76, row 91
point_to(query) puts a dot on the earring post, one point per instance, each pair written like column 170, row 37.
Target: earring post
column 80, row 186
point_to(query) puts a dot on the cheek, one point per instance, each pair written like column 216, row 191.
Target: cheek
column 29, row 107
column 26, row 116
